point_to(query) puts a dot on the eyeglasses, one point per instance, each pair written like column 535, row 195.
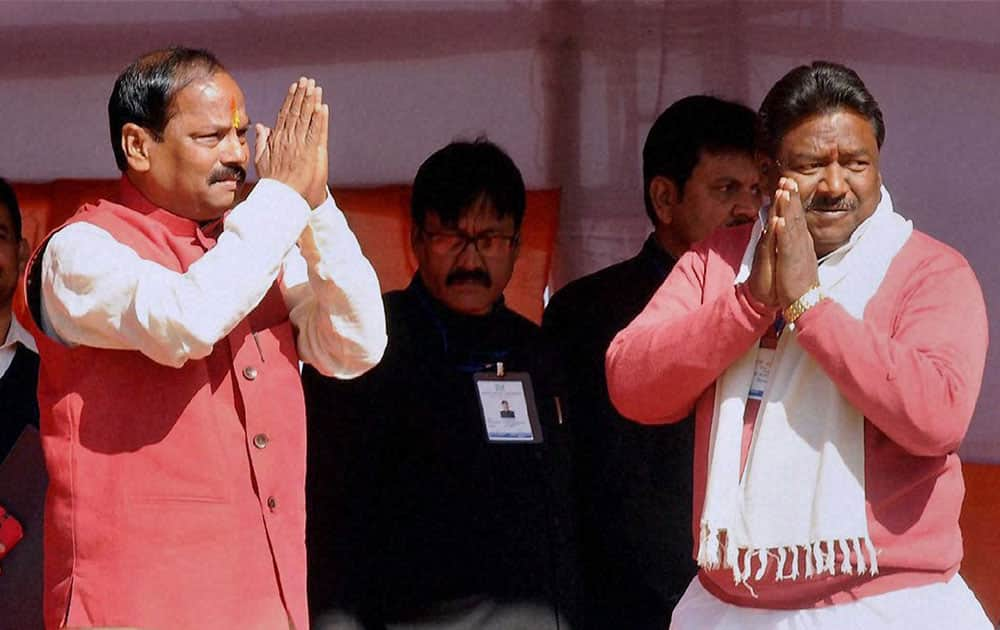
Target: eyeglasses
column 486, row 243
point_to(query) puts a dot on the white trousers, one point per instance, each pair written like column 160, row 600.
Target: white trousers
column 948, row 606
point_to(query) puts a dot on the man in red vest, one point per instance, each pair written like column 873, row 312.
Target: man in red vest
column 170, row 326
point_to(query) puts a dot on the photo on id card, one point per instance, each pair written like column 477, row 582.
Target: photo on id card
column 508, row 408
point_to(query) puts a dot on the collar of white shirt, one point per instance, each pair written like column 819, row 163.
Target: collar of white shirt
column 15, row 334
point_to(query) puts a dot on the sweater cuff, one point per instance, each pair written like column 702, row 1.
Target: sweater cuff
column 757, row 312
column 809, row 317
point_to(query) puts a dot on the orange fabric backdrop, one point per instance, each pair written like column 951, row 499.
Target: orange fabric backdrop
column 379, row 216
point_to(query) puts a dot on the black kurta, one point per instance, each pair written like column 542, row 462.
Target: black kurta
column 18, row 398
column 633, row 482
column 22, row 492
column 411, row 512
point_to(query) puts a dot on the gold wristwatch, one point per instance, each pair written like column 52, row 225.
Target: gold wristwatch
column 805, row 302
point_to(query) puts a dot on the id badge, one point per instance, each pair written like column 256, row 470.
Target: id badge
column 507, row 404
column 762, row 367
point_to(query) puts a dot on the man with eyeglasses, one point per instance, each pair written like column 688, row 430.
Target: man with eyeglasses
column 833, row 355
column 428, row 506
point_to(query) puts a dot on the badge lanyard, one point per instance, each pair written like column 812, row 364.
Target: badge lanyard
column 491, row 359
column 506, row 399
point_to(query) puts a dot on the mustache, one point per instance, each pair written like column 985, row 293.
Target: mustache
column 741, row 220
column 823, row 202
column 475, row 276
column 227, row 173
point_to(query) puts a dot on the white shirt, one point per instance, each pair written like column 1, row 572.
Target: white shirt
column 100, row 293
column 15, row 334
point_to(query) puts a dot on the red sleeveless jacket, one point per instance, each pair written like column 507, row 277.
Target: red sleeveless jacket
column 175, row 496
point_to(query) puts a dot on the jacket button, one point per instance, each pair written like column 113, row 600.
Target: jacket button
column 260, row 440
column 250, row 372
column 272, row 503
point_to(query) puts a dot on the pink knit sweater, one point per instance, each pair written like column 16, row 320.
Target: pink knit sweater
column 913, row 366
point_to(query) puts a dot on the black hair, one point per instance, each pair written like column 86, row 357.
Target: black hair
column 454, row 178
column 9, row 200
column 685, row 130
column 145, row 90
column 821, row 87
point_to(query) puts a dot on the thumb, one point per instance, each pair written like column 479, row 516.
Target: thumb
column 761, row 280
column 764, row 256
column 263, row 134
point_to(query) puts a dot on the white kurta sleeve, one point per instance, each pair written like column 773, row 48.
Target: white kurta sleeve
column 333, row 296
column 98, row 292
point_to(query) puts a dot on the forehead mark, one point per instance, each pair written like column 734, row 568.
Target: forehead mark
column 234, row 107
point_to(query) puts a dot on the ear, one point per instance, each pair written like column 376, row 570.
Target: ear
column 136, row 143
column 664, row 195
column 769, row 174
column 23, row 252
column 414, row 236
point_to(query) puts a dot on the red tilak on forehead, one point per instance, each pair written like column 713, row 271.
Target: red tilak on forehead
column 236, row 113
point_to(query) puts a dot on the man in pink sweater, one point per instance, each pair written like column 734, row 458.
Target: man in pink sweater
column 833, row 356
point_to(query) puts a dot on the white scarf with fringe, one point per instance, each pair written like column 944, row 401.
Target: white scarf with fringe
column 803, row 489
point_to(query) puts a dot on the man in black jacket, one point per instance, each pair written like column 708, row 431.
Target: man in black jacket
column 22, row 476
column 18, row 357
column 426, row 505
column 633, row 482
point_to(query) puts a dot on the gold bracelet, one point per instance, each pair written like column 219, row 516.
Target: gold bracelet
column 808, row 300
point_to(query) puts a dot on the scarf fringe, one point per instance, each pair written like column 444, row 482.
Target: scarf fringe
column 819, row 557
column 817, row 553
column 708, row 548
column 872, row 556
column 845, row 564
column 809, row 563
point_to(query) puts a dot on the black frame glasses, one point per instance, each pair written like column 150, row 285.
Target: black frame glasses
column 487, row 243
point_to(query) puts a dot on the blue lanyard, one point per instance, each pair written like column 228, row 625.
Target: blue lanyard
column 485, row 360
